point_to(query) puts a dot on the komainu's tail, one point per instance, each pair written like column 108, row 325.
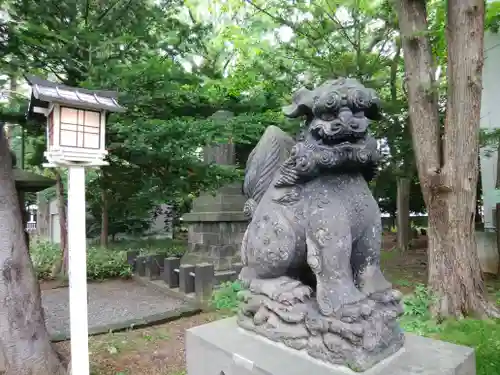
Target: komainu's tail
column 263, row 163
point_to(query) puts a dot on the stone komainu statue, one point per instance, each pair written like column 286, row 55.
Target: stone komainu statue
column 311, row 277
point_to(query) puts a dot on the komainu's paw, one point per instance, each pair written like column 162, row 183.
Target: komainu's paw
column 300, row 293
column 282, row 289
column 333, row 298
column 356, row 311
column 387, row 296
column 319, row 324
column 246, row 276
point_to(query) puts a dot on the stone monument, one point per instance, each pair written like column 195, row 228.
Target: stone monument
column 216, row 224
column 314, row 299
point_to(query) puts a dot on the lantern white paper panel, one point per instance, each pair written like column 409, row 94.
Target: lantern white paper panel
column 92, row 124
column 80, row 128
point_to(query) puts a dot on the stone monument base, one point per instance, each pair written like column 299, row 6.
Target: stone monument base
column 223, row 348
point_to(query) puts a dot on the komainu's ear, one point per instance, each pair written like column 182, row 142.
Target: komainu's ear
column 302, row 104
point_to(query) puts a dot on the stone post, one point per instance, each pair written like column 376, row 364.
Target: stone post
column 216, row 224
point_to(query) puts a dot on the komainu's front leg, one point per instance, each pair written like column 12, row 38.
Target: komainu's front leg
column 365, row 262
column 269, row 249
column 329, row 245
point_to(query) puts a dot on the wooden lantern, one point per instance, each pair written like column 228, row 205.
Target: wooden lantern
column 76, row 121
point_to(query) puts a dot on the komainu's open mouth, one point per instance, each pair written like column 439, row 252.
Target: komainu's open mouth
column 322, row 137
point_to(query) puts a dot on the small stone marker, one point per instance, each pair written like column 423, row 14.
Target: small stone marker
column 154, row 266
column 140, row 266
column 171, row 271
column 204, row 281
column 132, row 259
column 186, row 279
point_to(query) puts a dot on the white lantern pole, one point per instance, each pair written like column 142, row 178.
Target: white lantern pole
column 77, row 109
column 78, row 271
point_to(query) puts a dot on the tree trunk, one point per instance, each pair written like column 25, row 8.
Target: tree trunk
column 448, row 181
column 403, row 213
column 25, row 345
column 61, row 267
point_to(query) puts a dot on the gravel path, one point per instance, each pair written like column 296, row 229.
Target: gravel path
column 109, row 302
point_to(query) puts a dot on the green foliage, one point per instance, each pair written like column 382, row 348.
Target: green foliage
column 101, row 263
column 492, row 21
column 171, row 248
column 225, row 297
column 418, row 303
column 482, row 335
column 107, row 264
column 141, row 50
column 416, row 316
column 44, row 255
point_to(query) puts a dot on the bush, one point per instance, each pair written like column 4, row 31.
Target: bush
column 105, row 264
column 44, row 255
column 166, row 246
column 101, row 263
column 225, row 297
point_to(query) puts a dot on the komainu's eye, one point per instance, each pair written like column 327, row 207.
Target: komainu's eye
column 332, row 100
column 359, row 99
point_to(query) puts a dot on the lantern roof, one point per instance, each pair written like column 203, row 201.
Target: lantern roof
column 45, row 92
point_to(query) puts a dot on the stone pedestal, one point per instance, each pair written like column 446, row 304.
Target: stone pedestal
column 216, row 224
column 222, row 348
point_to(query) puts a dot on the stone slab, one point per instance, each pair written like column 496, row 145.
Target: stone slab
column 222, row 348
column 112, row 304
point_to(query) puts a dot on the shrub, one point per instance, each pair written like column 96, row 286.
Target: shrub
column 44, row 255
column 105, row 264
column 166, row 246
column 225, row 297
column 101, row 263
column 416, row 317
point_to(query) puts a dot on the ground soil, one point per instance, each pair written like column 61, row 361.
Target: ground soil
column 159, row 350
column 52, row 284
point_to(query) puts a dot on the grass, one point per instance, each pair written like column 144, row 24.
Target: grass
column 482, row 335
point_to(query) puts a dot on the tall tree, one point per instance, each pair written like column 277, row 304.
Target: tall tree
column 325, row 38
column 25, row 344
column 448, row 163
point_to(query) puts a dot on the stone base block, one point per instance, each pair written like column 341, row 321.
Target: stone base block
column 222, row 348
column 223, row 262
